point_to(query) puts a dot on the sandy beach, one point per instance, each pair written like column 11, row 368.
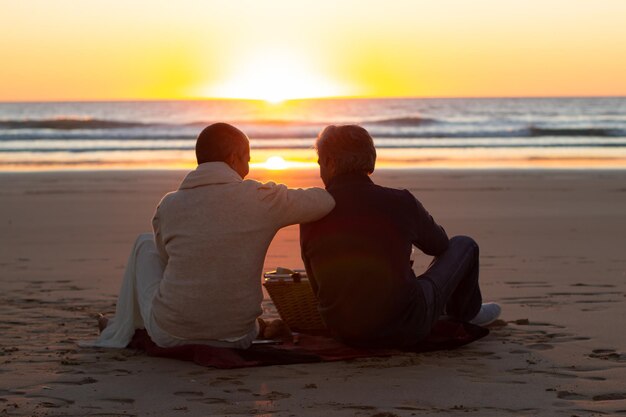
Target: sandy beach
column 552, row 253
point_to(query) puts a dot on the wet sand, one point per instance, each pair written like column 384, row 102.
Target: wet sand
column 552, row 251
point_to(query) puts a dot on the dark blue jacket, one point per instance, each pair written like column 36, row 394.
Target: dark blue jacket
column 357, row 259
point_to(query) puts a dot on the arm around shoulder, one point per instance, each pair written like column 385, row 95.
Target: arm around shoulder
column 297, row 205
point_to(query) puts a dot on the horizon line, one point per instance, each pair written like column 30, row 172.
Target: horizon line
column 138, row 100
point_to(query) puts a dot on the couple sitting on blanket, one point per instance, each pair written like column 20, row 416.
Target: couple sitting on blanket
column 196, row 280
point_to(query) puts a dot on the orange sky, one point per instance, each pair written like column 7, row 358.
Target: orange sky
column 99, row 50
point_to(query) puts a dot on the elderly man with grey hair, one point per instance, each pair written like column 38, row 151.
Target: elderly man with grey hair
column 358, row 256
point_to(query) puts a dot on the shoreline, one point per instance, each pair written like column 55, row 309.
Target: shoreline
column 295, row 158
column 314, row 167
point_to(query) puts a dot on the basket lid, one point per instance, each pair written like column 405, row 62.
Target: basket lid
column 283, row 274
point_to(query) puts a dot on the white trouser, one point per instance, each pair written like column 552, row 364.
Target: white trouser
column 144, row 272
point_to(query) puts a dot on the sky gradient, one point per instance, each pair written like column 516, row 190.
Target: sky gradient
column 275, row 50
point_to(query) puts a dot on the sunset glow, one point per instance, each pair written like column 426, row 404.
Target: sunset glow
column 67, row 50
column 294, row 159
column 275, row 163
column 274, row 76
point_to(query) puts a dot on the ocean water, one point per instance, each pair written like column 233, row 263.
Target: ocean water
column 415, row 132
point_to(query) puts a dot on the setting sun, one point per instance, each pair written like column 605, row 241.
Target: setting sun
column 283, row 50
column 275, row 163
column 274, row 76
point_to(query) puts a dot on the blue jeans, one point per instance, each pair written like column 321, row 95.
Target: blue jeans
column 450, row 284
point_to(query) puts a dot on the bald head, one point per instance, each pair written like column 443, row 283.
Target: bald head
column 217, row 142
column 221, row 142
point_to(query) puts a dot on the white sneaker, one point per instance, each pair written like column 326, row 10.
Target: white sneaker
column 488, row 313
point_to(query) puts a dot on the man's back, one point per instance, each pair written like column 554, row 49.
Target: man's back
column 213, row 234
column 357, row 258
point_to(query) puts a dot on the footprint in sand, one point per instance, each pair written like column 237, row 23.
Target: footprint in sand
column 275, row 395
column 360, row 407
column 119, row 400
column 211, row 401
column 83, row 381
column 613, row 396
column 608, row 355
column 529, row 284
column 224, row 380
column 51, row 402
column 540, row 346
column 580, row 284
column 569, row 395
column 583, row 296
column 519, row 351
column 528, row 371
column 538, row 339
column 189, row 393
column 531, row 301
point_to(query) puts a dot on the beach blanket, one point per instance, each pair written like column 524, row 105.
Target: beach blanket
column 446, row 334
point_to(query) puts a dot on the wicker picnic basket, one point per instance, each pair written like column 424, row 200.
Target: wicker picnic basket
column 294, row 299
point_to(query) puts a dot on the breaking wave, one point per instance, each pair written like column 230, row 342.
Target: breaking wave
column 68, row 124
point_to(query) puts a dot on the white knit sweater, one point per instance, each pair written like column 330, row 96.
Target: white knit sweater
column 214, row 232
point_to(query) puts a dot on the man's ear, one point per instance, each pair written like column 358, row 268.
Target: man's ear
column 231, row 160
column 329, row 164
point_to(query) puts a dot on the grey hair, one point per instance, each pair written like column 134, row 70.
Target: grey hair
column 350, row 147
